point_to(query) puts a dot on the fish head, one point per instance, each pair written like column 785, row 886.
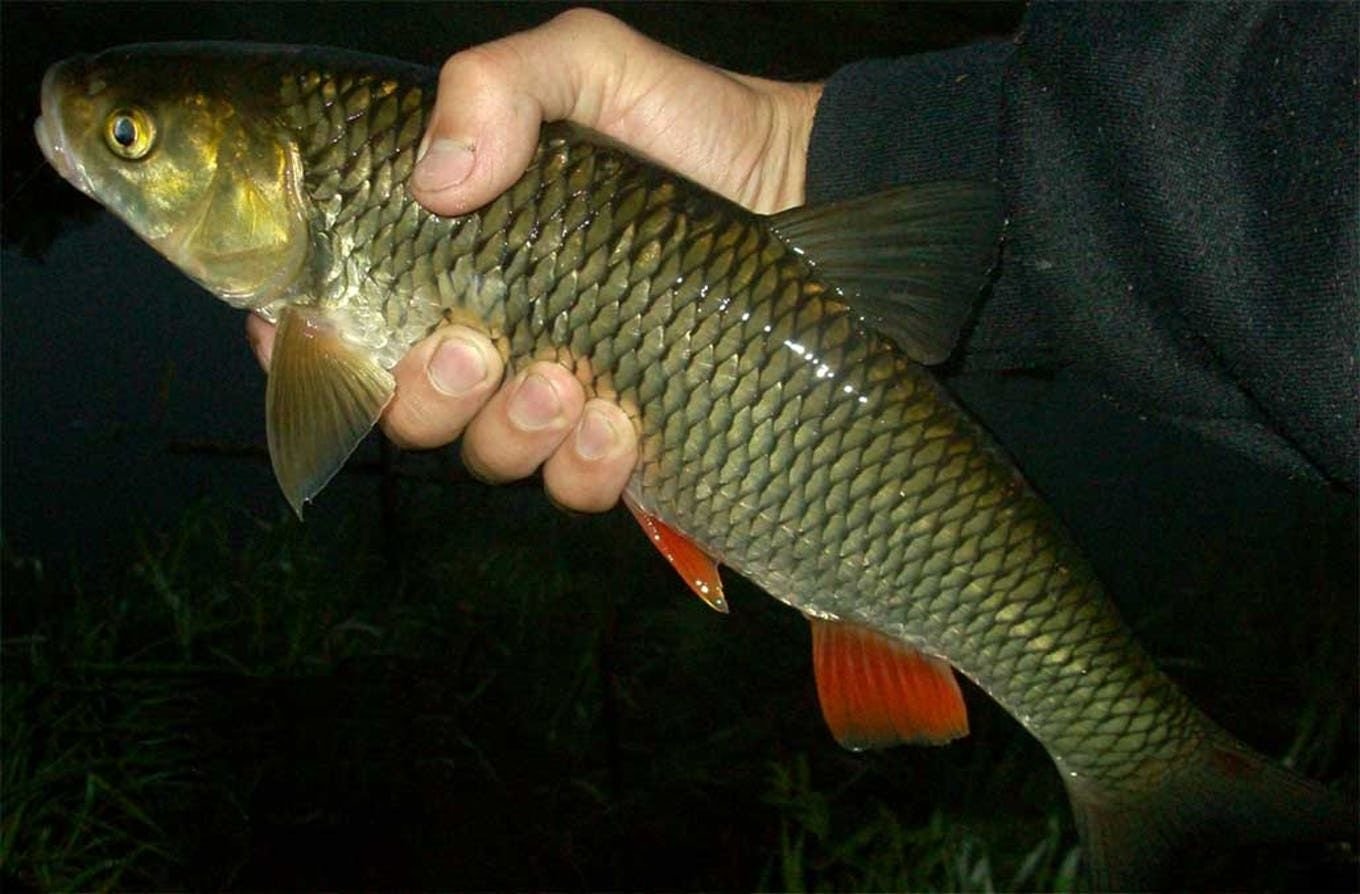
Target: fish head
column 185, row 149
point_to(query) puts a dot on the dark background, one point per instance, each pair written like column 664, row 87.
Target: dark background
column 130, row 402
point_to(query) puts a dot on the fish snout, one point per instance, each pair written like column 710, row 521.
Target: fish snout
column 49, row 130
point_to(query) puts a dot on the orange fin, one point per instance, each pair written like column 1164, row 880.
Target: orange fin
column 877, row 691
column 693, row 564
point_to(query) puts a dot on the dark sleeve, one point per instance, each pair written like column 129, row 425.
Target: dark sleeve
column 1180, row 182
column 934, row 116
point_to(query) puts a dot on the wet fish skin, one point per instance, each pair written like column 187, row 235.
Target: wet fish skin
column 790, row 440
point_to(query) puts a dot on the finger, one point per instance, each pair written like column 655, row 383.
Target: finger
column 523, row 423
column 589, row 471
column 441, row 384
column 260, row 335
column 492, row 99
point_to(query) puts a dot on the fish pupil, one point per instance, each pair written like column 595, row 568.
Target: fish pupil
column 125, row 131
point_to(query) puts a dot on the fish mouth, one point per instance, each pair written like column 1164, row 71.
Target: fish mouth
column 52, row 138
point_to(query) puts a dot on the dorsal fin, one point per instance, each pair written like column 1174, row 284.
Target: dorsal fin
column 877, row 691
column 912, row 260
column 324, row 395
column 696, row 567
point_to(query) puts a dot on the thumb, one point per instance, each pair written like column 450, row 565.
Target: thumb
column 481, row 136
column 492, row 99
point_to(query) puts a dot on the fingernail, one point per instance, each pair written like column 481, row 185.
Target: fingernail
column 535, row 403
column 456, row 367
column 441, row 164
column 595, row 436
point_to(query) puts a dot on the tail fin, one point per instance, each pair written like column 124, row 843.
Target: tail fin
column 1229, row 796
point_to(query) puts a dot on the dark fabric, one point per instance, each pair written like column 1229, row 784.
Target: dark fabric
column 1181, row 183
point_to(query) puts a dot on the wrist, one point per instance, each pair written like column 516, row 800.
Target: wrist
column 800, row 108
column 776, row 177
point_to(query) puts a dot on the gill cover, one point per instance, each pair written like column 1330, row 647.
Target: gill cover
column 251, row 240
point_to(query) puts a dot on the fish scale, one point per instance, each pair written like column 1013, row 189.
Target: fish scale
column 785, row 432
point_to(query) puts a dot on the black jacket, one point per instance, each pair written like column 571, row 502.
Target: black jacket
column 1181, row 188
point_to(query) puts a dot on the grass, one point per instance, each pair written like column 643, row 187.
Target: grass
column 525, row 700
column 821, row 850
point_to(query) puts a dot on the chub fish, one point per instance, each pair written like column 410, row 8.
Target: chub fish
column 775, row 369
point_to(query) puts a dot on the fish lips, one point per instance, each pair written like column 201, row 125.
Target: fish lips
column 50, row 135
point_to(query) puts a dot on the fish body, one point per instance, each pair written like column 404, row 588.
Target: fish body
column 774, row 368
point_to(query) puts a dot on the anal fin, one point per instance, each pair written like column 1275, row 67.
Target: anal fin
column 324, row 395
column 695, row 566
column 876, row 691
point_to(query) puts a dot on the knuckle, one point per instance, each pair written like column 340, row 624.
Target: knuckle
column 584, row 18
column 474, row 70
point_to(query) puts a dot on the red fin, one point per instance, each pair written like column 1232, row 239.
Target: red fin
column 693, row 564
column 876, row 691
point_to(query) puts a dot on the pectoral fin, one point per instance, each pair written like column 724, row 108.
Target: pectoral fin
column 697, row 567
column 324, row 395
column 876, row 691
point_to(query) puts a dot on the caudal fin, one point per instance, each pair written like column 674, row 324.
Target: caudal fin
column 1228, row 797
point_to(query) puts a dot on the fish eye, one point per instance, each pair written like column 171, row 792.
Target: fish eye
column 129, row 133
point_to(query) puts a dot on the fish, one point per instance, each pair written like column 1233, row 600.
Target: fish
column 777, row 370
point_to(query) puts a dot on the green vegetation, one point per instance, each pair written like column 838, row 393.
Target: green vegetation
column 497, row 696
